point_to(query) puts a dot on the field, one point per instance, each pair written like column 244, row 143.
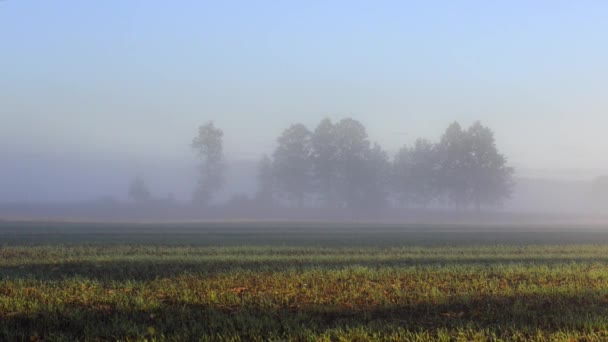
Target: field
column 302, row 281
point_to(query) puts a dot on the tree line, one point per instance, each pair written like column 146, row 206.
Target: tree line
column 337, row 166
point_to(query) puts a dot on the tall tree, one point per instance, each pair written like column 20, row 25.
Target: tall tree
column 489, row 176
column 376, row 179
column 266, row 182
column 453, row 158
column 415, row 174
column 138, row 190
column 209, row 148
column 402, row 180
column 361, row 170
column 324, row 162
column 352, row 146
column 292, row 163
column 424, row 172
column 472, row 171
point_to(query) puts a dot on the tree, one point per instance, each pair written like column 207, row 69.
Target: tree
column 489, row 178
column 415, row 174
column 472, row 171
column 402, row 178
column 424, row 172
column 324, row 162
column 361, row 170
column 292, row 163
column 452, row 152
column 138, row 190
column 266, row 182
column 209, row 149
column 352, row 145
column 376, row 176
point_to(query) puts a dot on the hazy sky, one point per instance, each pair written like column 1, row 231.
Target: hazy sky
column 131, row 79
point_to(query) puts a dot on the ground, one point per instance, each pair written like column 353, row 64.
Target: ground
column 274, row 281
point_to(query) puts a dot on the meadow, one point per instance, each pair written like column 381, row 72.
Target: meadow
column 302, row 281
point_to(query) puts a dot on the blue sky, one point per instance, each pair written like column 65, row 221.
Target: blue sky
column 121, row 79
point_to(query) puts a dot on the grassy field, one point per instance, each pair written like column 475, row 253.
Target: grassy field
column 302, row 281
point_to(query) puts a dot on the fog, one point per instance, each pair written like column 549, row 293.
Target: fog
column 96, row 95
column 60, row 188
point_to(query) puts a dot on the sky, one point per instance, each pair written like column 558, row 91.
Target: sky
column 131, row 80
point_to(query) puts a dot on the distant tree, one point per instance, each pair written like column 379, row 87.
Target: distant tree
column 402, row 180
column 415, row 174
column 472, row 171
column 324, row 162
column 424, row 170
column 209, row 149
column 138, row 190
column 266, row 182
column 292, row 164
column 489, row 177
column 362, row 171
column 352, row 147
column 453, row 158
column 376, row 179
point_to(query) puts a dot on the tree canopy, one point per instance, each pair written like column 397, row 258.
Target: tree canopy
column 337, row 166
column 138, row 190
column 208, row 146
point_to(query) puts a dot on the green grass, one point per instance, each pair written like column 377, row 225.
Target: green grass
column 302, row 282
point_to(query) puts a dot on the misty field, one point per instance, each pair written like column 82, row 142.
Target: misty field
column 302, row 281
